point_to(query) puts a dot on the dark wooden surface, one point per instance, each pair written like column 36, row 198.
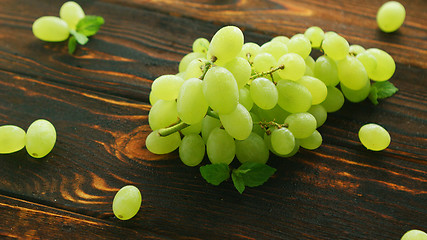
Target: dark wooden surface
column 97, row 100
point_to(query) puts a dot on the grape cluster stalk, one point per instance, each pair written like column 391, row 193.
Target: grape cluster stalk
column 232, row 99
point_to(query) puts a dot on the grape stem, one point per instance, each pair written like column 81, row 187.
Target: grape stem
column 268, row 124
column 172, row 129
column 257, row 75
column 212, row 114
column 205, row 69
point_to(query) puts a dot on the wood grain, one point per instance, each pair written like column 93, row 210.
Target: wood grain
column 97, row 100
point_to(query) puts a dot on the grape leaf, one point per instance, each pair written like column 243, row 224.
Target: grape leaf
column 255, row 174
column 215, row 173
column 381, row 90
column 89, row 25
column 238, row 181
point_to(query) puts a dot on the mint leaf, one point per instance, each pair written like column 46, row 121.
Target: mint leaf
column 72, row 43
column 255, row 174
column 80, row 38
column 238, row 181
column 215, row 173
column 381, row 90
column 89, row 25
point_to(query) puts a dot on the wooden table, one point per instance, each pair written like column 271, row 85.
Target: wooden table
column 98, row 101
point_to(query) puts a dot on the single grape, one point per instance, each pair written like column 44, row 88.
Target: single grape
column 293, row 97
column 281, row 39
column 183, row 64
column 195, row 68
column 282, row 141
column 414, row 234
column 326, row 70
column 356, row 95
column 12, row 139
column 192, row 150
column 220, row 147
column 41, row 138
column 192, row 129
column 335, row 46
column 368, row 60
column 51, row 29
column 319, row 113
column 127, row 202
column 245, row 98
column 201, row 45
column 167, row 87
column 315, row 35
column 72, row 13
column 264, row 93
column 208, row 124
column 275, row 48
column 252, row 149
column 302, row 125
column 374, row 137
column 355, row 49
column 391, row 16
column 300, row 45
column 249, row 51
column 263, row 62
column 241, row 70
column 191, row 103
column 316, row 87
column 225, row 45
column 334, row 100
column 385, row 65
column 238, row 123
column 162, row 145
column 294, row 66
column 220, row 90
column 162, row 114
column 352, row 73
column 312, row 142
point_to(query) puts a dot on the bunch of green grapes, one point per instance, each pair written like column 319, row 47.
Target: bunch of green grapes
column 235, row 100
column 39, row 139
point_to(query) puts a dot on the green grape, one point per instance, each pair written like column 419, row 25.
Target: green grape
column 264, row 93
column 195, row 68
column 302, row 125
column 294, row 151
column 334, row 100
column 356, row 49
column 312, row 142
column 277, row 113
column 191, row 104
column 316, row 87
column 252, row 149
column 267, row 141
column 275, row 48
column 183, row 64
column 162, row 114
column 192, row 129
column 315, row 35
column 127, row 202
column 152, row 98
column 201, row 45
column 282, row 141
column 356, row 95
column 208, row 124
column 162, row 145
column 220, row 147
column 264, row 62
column 391, row 16
column 72, row 13
column 225, row 45
column 308, row 72
column 241, row 70
column 12, row 139
column 167, row 87
column 192, row 150
column 220, row 90
column 335, row 46
column 374, row 137
column 51, row 29
column 281, row 39
column 414, row 234
column 368, row 60
column 352, row 73
column 293, row 97
column 40, row 139
column 319, row 113
column 309, row 62
column 330, row 33
column 249, row 51
column 245, row 98
column 256, row 128
column 294, row 66
column 385, row 65
column 326, row 70
column 300, row 45
column 238, row 123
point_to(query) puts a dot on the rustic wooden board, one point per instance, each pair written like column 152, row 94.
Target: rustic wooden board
column 97, row 100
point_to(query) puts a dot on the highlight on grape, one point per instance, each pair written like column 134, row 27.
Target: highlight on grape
column 235, row 100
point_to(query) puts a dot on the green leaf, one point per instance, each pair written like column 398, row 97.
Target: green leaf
column 238, row 181
column 215, row 173
column 255, row 174
column 381, row 90
column 89, row 25
column 72, row 43
column 81, row 39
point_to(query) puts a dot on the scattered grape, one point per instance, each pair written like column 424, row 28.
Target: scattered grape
column 51, row 29
column 40, row 138
column 374, row 137
column 414, row 234
column 12, row 139
column 127, row 202
column 390, row 16
column 71, row 12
